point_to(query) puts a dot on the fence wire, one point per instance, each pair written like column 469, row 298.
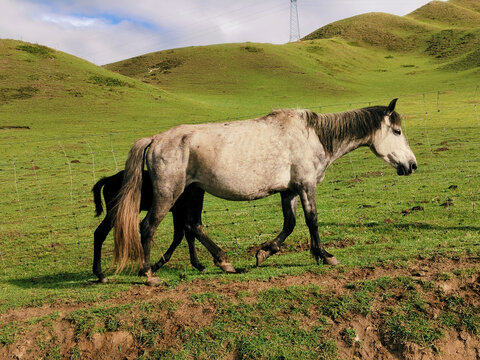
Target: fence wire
column 48, row 199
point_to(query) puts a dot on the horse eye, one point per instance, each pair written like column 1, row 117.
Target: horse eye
column 397, row 131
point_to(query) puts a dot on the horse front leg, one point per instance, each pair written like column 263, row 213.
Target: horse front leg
column 193, row 225
column 219, row 256
column 308, row 199
column 289, row 208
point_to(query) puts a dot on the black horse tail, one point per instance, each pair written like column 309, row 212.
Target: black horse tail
column 97, row 195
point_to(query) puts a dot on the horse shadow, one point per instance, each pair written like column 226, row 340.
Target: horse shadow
column 404, row 226
column 82, row 279
column 66, row 280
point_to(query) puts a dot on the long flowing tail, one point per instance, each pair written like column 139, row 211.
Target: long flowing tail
column 127, row 241
column 97, row 195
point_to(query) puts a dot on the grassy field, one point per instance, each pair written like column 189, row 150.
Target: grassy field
column 409, row 246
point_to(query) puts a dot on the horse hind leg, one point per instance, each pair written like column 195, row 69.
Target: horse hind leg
column 308, row 198
column 99, row 237
column 180, row 212
column 149, row 225
column 289, row 207
column 190, row 236
column 178, row 233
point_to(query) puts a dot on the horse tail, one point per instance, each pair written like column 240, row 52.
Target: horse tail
column 127, row 241
column 97, row 195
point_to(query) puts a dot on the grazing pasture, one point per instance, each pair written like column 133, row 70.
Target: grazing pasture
column 409, row 247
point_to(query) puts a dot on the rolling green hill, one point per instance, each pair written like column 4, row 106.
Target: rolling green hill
column 380, row 30
column 436, row 46
column 458, row 14
column 54, row 93
column 352, row 60
column 447, row 31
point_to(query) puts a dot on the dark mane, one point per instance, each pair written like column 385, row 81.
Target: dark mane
column 356, row 124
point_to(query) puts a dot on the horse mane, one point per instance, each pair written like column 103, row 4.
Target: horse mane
column 307, row 115
column 335, row 127
column 353, row 124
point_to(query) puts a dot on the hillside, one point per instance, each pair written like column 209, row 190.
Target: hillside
column 257, row 71
column 448, row 31
column 381, row 30
column 53, row 93
column 469, row 4
column 456, row 14
column 337, row 61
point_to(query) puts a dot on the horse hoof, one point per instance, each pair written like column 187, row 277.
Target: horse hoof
column 262, row 255
column 331, row 260
column 153, row 281
column 200, row 267
column 227, row 267
column 102, row 280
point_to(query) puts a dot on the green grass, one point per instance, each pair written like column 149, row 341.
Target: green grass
column 260, row 330
column 451, row 13
column 82, row 120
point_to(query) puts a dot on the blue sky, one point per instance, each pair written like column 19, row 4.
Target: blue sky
column 104, row 31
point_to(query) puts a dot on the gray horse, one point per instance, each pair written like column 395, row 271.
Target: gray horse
column 286, row 152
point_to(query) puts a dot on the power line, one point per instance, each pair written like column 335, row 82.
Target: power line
column 196, row 30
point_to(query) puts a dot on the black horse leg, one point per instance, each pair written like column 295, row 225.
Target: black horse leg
column 179, row 212
column 308, row 198
column 194, row 206
column 99, row 237
column 289, row 207
column 148, row 227
column 178, row 233
column 190, row 236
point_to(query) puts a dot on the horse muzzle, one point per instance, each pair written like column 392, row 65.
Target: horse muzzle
column 403, row 169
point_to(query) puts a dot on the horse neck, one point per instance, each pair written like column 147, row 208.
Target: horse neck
column 338, row 135
column 344, row 147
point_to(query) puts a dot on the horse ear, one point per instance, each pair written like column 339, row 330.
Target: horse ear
column 391, row 106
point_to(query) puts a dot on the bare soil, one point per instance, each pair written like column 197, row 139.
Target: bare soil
column 369, row 344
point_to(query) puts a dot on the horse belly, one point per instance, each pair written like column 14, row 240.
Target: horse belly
column 241, row 174
column 234, row 187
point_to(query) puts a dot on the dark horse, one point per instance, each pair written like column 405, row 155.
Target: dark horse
column 181, row 211
column 286, row 152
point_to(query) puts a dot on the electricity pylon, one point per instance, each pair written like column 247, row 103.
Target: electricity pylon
column 294, row 25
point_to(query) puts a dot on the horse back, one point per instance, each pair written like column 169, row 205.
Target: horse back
column 239, row 160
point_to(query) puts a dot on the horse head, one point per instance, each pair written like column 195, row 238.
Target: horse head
column 390, row 144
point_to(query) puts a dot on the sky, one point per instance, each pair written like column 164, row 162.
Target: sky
column 105, row 31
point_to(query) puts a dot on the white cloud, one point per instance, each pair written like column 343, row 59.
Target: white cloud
column 104, row 31
column 72, row 21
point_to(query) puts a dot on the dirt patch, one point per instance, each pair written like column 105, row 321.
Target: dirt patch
column 123, row 327
column 409, row 211
column 165, row 66
column 15, row 127
column 20, row 93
